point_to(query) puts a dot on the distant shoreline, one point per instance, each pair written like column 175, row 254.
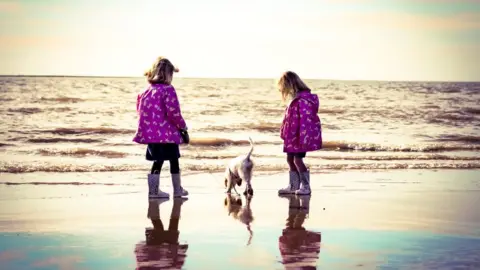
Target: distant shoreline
column 225, row 78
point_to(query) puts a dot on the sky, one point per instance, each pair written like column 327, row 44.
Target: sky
column 413, row 40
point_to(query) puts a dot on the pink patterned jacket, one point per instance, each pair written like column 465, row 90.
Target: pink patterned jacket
column 301, row 129
column 160, row 118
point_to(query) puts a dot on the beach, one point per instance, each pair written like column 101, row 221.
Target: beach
column 414, row 219
column 396, row 185
column 394, row 175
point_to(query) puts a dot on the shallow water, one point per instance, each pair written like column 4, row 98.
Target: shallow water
column 72, row 124
column 411, row 219
column 338, row 249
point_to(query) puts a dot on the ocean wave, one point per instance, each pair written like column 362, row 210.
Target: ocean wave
column 270, row 111
column 265, row 127
column 217, row 168
column 59, row 109
column 456, row 117
column 220, row 156
column 399, row 158
column 82, row 152
column 346, row 146
column 6, row 144
column 127, row 143
column 220, row 142
column 57, row 140
column 431, row 106
column 470, row 143
column 26, row 110
column 33, row 110
column 211, row 112
column 472, row 110
column 63, row 168
column 331, row 111
column 64, row 183
column 88, row 131
column 62, row 99
column 460, row 138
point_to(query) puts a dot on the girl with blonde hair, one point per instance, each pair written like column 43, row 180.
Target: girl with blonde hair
column 161, row 126
column 301, row 131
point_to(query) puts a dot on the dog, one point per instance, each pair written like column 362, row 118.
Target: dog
column 240, row 169
column 240, row 213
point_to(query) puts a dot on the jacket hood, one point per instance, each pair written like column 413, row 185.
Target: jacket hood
column 308, row 96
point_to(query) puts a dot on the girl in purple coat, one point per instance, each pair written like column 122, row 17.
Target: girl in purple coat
column 160, row 125
column 301, row 131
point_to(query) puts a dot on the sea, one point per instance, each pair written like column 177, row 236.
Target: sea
column 86, row 124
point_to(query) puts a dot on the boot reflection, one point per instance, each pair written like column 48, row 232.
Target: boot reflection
column 299, row 247
column 241, row 213
column 162, row 250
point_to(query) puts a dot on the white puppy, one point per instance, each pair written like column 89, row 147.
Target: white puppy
column 240, row 168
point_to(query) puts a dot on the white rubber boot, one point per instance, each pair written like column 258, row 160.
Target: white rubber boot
column 293, row 185
column 178, row 190
column 304, row 184
column 154, row 191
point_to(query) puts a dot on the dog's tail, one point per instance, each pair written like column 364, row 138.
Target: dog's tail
column 251, row 148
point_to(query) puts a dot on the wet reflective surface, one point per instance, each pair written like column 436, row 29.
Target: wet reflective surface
column 427, row 225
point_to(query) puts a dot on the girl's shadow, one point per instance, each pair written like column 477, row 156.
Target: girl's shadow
column 161, row 248
column 299, row 247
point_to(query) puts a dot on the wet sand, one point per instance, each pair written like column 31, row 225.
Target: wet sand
column 412, row 219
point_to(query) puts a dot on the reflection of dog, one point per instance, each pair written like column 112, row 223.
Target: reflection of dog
column 242, row 214
column 240, row 168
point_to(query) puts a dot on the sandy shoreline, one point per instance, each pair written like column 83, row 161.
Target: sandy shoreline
column 405, row 209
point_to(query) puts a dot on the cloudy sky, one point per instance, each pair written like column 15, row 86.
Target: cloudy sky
column 327, row 39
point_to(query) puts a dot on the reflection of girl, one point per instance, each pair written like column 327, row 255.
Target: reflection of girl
column 299, row 248
column 161, row 249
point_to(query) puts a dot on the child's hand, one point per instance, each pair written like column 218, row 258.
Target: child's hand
column 185, row 135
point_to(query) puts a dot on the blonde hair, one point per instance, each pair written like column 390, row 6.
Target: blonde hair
column 161, row 71
column 290, row 84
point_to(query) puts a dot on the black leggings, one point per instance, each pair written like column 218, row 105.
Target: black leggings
column 174, row 166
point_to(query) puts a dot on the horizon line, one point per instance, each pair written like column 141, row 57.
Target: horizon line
column 233, row 78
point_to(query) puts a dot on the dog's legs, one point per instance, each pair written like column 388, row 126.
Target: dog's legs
column 248, row 188
column 234, row 188
column 229, row 186
column 245, row 192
